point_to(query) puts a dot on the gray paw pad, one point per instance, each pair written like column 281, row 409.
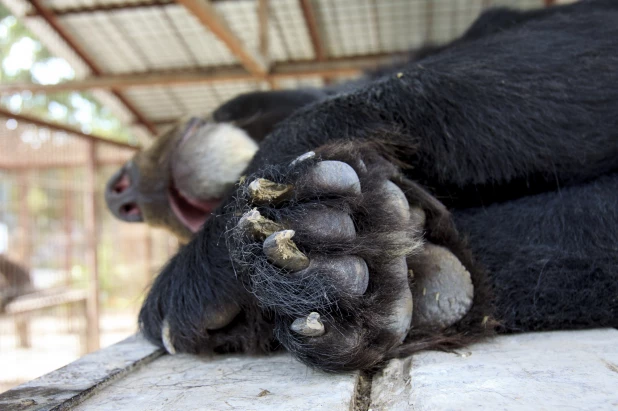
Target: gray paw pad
column 325, row 224
column 349, row 274
column 443, row 289
column 333, row 177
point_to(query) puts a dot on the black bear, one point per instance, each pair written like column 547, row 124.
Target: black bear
column 471, row 190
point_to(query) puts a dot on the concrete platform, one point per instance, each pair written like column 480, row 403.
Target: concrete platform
column 538, row 371
column 557, row 370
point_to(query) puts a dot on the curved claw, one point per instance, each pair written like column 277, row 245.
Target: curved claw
column 311, row 326
column 264, row 191
column 258, row 226
column 166, row 338
column 303, row 157
column 282, row 251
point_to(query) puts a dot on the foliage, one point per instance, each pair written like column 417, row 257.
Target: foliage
column 24, row 59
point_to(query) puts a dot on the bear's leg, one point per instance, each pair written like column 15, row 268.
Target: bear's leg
column 552, row 259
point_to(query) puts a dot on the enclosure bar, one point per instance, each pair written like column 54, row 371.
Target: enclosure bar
column 376, row 22
column 263, row 12
column 428, row 22
column 52, row 20
column 92, row 235
column 263, row 20
column 62, row 128
column 312, row 27
column 351, row 66
column 205, row 12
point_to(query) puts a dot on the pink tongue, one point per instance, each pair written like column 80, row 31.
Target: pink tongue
column 192, row 212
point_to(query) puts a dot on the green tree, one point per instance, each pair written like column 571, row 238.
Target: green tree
column 24, row 59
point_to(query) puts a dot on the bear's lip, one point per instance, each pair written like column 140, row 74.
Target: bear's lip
column 191, row 212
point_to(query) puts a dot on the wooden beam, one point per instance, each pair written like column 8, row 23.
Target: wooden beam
column 312, row 27
column 108, row 7
column 331, row 68
column 50, row 164
column 205, row 12
column 96, row 8
column 52, row 20
column 62, row 128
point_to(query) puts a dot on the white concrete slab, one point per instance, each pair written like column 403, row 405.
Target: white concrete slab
column 187, row 383
column 538, row 371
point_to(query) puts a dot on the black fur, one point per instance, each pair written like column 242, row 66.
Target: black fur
column 513, row 128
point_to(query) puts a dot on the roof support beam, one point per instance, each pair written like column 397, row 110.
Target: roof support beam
column 205, row 12
column 52, row 20
column 93, row 8
column 332, row 68
column 312, row 27
column 39, row 122
column 107, row 7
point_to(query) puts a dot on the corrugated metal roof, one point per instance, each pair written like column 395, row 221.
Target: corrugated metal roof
column 140, row 36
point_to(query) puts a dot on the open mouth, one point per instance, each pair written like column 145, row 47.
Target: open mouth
column 191, row 212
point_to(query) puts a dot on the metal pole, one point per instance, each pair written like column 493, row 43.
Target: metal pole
column 90, row 224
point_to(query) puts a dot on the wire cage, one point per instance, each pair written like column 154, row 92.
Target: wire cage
column 72, row 275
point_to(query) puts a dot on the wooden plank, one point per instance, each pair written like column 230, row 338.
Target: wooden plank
column 332, row 68
column 549, row 371
column 205, row 12
column 51, row 19
column 44, row 299
column 72, row 384
column 26, row 118
column 186, row 382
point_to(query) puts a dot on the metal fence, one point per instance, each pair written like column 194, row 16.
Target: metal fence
column 72, row 276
